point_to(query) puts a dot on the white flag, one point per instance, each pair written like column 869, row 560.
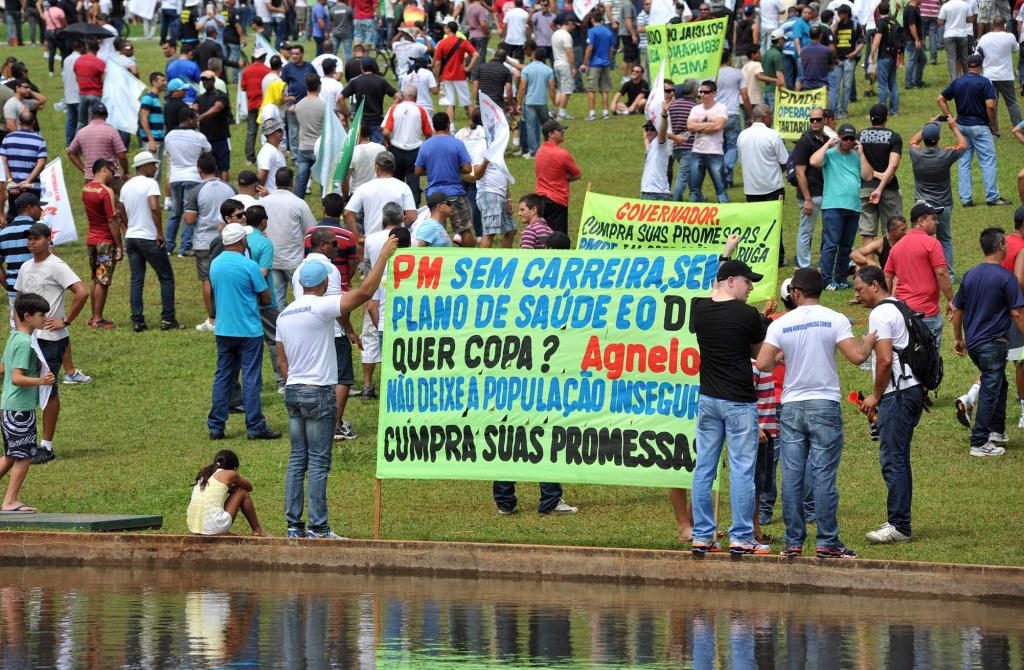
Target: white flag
column 656, row 100
column 328, row 150
column 662, row 11
column 121, row 93
column 241, row 103
column 56, row 206
column 583, row 7
column 497, row 130
column 262, row 41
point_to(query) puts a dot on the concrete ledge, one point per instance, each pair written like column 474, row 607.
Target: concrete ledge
column 593, row 564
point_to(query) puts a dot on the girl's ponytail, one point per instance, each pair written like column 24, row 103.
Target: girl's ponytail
column 225, row 459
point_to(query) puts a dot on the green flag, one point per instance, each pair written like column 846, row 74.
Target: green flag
column 341, row 171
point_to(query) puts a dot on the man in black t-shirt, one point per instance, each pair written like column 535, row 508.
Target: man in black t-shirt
column 880, row 198
column 370, row 87
column 913, row 37
column 495, row 80
column 215, row 122
column 848, row 45
column 234, row 34
column 635, row 91
column 729, row 333
column 809, row 184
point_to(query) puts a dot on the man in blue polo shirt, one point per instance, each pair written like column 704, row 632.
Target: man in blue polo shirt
column 239, row 289
column 975, row 98
column 444, row 159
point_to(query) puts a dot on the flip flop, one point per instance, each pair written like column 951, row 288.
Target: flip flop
column 20, row 509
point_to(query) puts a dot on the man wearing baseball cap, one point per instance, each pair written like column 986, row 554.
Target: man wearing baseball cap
column 564, row 60
column 555, row 168
column 811, row 421
column 729, row 332
column 931, row 164
column 98, row 139
column 772, row 72
column 975, row 98
column 239, row 288
column 270, row 158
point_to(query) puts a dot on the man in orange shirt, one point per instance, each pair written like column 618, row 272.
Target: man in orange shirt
column 555, row 169
column 451, row 69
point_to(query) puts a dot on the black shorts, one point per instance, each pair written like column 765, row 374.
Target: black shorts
column 53, row 352
column 343, row 349
column 19, row 429
column 630, row 51
column 221, row 150
column 764, row 467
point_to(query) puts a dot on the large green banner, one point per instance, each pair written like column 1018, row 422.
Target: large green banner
column 561, row 366
column 610, row 222
column 691, row 49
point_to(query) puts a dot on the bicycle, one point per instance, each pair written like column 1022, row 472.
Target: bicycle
column 386, row 60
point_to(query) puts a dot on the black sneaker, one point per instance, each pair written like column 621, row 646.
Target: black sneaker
column 370, row 393
column 840, row 551
column 216, row 435
column 171, row 325
column 999, row 202
column 266, row 435
column 963, row 413
column 140, row 326
column 969, row 203
column 237, row 409
column 43, row 455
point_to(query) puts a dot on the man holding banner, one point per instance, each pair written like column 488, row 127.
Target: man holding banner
column 729, row 333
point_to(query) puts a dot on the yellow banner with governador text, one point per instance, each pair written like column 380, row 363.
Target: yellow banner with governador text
column 610, row 222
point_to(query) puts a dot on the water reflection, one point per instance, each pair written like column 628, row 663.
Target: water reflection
column 117, row 618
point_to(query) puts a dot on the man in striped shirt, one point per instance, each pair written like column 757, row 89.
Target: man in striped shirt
column 14, row 243
column 24, row 155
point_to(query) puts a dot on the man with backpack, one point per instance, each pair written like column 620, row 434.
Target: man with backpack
column 916, row 269
column 886, row 46
column 903, row 345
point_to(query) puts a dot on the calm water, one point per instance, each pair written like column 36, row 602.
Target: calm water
column 125, row 618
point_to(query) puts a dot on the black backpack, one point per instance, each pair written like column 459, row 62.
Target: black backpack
column 894, row 39
column 921, row 354
column 791, row 168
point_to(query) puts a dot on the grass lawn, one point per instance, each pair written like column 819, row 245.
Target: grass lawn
column 132, row 441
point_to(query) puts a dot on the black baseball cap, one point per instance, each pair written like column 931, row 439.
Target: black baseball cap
column 38, row 229
column 436, row 198
column 733, row 268
column 847, row 130
column 25, row 200
column 923, row 209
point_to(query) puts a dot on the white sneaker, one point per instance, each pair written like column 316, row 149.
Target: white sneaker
column 563, row 508
column 591, row 116
column 604, row 115
column 887, row 534
column 987, row 449
column 205, row 327
column 998, row 438
column 1020, row 424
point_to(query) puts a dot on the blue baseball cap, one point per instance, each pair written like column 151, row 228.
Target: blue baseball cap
column 312, row 274
column 176, row 85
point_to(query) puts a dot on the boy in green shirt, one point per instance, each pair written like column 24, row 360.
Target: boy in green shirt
column 21, row 397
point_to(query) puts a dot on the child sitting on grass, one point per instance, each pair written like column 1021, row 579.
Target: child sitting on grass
column 219, row 492
column 21, row 398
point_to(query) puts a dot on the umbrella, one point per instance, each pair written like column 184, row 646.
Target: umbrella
column 87, row 30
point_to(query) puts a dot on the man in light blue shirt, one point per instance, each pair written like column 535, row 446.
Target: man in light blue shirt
column 537, row 86
column 431, row 232
column 239, row 289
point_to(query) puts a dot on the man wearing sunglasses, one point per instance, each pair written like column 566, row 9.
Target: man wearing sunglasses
column 809, row 184
column 707, row 121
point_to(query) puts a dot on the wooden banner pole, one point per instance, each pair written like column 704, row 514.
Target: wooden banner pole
column 377, row 500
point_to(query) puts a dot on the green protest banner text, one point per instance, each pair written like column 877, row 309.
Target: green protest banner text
column 691, row 49
column 610, row 222
column 559, row 366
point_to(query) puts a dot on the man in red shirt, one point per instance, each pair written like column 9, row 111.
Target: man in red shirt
column 347, row 256
column 555, row 169
column 252, row 84
column 364, row 25
column 89, row 71
column 104, row 238
column 451, row 69
column 916, row 269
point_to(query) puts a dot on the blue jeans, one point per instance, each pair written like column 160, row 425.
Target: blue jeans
column 682, row 159
column 790, row 70
column 733, row 126
column 533, row 117
column 178, row 191
column 719, row 421
column 505, row 496
column 838, row 230
column 766, row 502
column 234, row 53
column 888, row 84
column 71, row 125
column 979, row 139
column 914, row 60
column 931, row 29
column 312, row 414
column 343, row 47
column 234, row 353
column 714, row 165
column 811, row 430
column 840, row 85
column 935, row 325
column 141, row 253
column 898, row 414
column 376, row 133
column 292, row 135
column 805, row 233
column 304, row 164
column 282, row 279
column 168, row 25
column 990, row 412
column 277, row 22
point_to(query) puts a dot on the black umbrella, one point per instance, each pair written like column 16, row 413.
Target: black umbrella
column 87, row 30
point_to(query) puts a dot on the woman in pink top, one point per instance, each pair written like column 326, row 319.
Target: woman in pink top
column 54, row 20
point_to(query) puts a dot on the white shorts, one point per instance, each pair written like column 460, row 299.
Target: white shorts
column 370, row 340
column 455, row 93
column 217, row 523
column 1015, row 355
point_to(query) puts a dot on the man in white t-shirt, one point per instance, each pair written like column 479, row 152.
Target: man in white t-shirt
column 330, row 87
column 707, row 122
column 183, row 146
column 363, row 156
column 732, row 92
column 144, row 241
column 288, row 219
column 1000, row 49
column 270, row 159
column 306, row 353
column 370, row 198
column 564, row 61
column 516, row 22
column 953, row 20
column 654, row 181
column 763, row 156
column 811, row 420
column 772, row 12
column 897, row 398
column 49, row 276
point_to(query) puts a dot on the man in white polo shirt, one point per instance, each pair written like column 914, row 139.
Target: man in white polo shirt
column 763, row 156
column 307, row 357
